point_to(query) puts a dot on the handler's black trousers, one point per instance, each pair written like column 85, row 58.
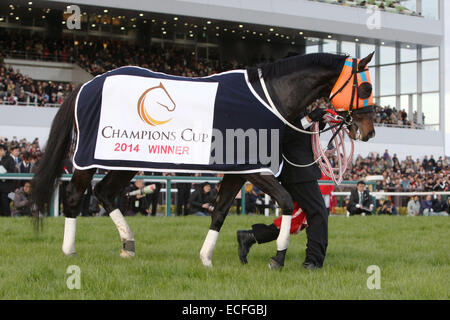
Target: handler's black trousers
column 309, row 198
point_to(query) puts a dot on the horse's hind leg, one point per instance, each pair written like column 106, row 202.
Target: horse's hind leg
column 75, row 190
column 229, row 187
column 106, row 191
column 268, row 184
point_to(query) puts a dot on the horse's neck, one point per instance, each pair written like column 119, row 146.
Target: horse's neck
column 296, row 91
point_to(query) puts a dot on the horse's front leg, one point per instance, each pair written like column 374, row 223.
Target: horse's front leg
column 229, row 187
column 269, row 184
column 106, row 191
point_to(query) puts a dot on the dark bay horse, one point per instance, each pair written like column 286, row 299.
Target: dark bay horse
column 292, row 84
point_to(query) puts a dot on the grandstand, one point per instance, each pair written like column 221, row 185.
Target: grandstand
column 196, row 38
column 42, row 59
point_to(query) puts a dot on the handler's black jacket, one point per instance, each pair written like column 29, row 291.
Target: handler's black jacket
column 297, row 148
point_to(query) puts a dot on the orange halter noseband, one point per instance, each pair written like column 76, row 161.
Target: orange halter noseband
column 342, row 96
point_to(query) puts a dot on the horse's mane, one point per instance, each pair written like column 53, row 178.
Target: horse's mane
column 287, row 65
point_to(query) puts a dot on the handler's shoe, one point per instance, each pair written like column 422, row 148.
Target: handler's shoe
column 310, row 266
column 245, row 240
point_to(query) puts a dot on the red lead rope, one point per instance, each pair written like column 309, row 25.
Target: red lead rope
column 343, row 160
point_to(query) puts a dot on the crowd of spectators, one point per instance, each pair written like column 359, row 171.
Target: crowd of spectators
column 393, row 116
column 407, row 175
column 17, row 89
column 100, row 56
column 17, row 157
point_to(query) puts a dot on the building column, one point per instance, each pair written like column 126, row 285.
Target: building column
column 444, row 66
column 377, row 73
column 397, row 77
column 419, row 84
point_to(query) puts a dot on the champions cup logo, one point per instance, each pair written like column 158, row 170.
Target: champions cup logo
column 156, row 103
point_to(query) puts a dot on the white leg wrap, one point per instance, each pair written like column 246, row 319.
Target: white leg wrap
column 208, row 248
column 124, row 229
column 70, row 227
column 283, row 237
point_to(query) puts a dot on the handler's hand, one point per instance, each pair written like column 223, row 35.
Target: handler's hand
column 317, row 114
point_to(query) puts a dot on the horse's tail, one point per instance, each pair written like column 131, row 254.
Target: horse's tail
column 58, row 145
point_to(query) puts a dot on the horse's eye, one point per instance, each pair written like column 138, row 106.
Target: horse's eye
column 364, row 90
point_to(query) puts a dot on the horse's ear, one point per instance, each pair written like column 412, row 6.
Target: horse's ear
column 364, row 62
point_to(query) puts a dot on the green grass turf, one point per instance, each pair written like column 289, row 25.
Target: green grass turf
column 412, row 253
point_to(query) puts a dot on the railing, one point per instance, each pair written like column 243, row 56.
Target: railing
column 35, row 55
column 398, row 8
column 30, row 104
column 429, row 127
column 389, row 125
column 167, row 180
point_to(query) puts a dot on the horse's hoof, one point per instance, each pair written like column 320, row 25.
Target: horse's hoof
column 128, row 250
column 70, row 254
column 275, row 265
column 206, row 261
column 126, row 253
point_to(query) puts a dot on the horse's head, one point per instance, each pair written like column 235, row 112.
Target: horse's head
column 163, row 98
column 362, row 128
column 352, row 97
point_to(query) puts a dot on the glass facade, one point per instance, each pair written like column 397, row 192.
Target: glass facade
column 428, row 9
column 409, row 80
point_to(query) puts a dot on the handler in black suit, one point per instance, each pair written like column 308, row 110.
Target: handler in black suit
column 301, row 183
column 360, row 200
column 6, row 186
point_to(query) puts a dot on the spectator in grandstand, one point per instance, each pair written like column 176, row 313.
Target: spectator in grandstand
column 132, row 205
column 429, row 185
column 439, row 185
column 14, row 152
column 25, row 165
column 440, row 206
column 201, row 201
column 426, row 207
column 215, row 190
column 360, row 200
column 387, row 208
column 6, row 186
column 414, row 206
column 405, row 184
column 22, row 201
column 183, row 193
column 253, row 199
column 154, row 196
